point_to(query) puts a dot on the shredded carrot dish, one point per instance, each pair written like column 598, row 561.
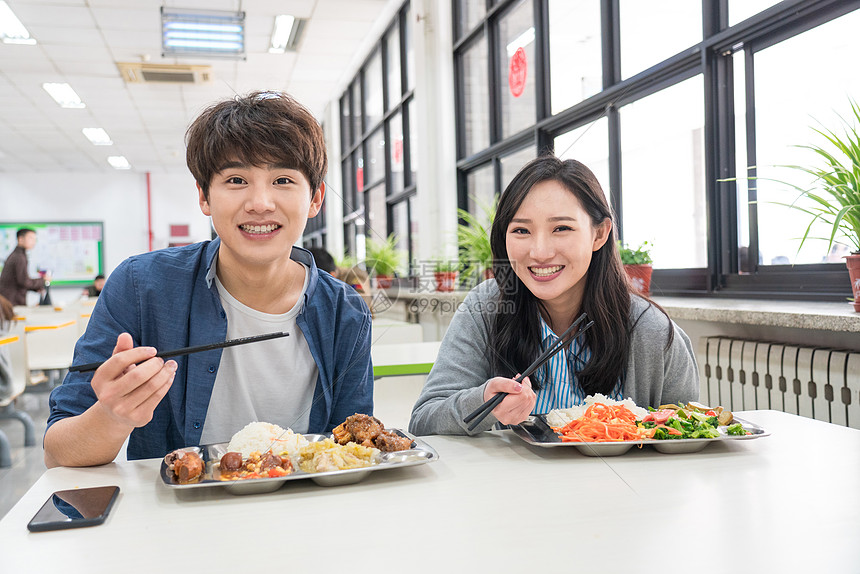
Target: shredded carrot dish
column 602, row 423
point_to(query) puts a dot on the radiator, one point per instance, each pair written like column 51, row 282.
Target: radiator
column 813, row 382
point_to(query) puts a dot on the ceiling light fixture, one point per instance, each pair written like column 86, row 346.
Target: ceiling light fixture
column 12, row 31
column 97, row 136
column 286, row 33
column 64, row 95
column 206, row 33
column 118, row 162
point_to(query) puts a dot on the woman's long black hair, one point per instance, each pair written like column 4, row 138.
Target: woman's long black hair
column 515, row 336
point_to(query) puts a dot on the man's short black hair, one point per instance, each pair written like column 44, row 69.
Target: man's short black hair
column 262, row 128
column 24, row 231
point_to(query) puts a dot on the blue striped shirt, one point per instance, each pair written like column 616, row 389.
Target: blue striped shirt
column 560, row 386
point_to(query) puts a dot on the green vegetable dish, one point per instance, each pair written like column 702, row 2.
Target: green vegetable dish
column 692, row 420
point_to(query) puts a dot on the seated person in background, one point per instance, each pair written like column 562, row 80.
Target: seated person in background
column 259, row 162
column 324, row 260
column 555, row 257
column 95, row 289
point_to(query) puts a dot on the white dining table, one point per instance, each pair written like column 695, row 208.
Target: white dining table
column 783, row 503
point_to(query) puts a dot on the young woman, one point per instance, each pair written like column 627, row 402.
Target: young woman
column 555, row 257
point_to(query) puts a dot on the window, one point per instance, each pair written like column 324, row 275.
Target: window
column 655, row 30
column 663, row 176
column 588, row 144
column 513, row 163
column 784, row 119
column 481, row 191
column 377, row 155
column 672, row 104
column 393, row 72
column 476, row 97
column 516, row 60
column 574, row 47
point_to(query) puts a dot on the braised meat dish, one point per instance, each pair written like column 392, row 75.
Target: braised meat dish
column 370, row 432
column 390, row 441
column 257, row 465
column 186, row 465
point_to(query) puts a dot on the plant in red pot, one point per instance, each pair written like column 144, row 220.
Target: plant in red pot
column 382, row 260
column 834, row 196
column 637, row 263
column 473, row 238
column 446, row 274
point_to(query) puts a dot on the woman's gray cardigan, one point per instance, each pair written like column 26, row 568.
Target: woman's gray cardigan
column 455, row 386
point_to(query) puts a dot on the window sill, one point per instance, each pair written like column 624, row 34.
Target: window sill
column 814, row 315
column 824, row 316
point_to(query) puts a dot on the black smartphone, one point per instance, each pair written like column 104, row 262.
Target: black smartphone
column 74, row 508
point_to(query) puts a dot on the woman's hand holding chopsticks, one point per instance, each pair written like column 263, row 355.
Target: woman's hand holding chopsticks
column 517, row 404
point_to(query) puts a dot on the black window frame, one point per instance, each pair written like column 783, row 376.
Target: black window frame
column 357, row 204
column 711, row 58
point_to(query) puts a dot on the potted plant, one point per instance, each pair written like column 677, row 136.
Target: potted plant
column 637, row 263
column 835, row 193
column 473, row 237
column 382, row 260
column 446, row 274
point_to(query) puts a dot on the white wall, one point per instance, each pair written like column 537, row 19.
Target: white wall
column 117, row 199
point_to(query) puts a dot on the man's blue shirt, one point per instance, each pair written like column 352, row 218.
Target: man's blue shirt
column 167, row 299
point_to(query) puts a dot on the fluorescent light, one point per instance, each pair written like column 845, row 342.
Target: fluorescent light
column 118, row 162
column 97, row 136
column 281, row 33
column 12, row 31
column 64, row 95
column 202, row 33
column 521, row 41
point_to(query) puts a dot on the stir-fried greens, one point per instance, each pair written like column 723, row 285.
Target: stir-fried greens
column 693, row 420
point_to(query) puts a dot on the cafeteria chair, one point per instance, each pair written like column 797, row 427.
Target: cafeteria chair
column 14, row 346
column 50, row 344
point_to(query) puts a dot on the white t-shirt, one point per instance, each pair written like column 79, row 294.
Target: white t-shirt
column 270, row 381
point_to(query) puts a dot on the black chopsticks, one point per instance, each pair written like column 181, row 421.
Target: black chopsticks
column 566, row 338
column 188, row 350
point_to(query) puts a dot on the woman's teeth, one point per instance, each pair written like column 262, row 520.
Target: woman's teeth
column 259, row 228
column 545, row 271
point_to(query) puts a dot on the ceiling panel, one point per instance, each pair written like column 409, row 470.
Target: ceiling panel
column 80, row 41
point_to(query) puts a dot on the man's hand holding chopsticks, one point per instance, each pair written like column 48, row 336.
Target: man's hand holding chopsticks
column 516, row 407
column 128, row 392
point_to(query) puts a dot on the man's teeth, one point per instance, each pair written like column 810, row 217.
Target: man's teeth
column 259, row 228
column 545, row 271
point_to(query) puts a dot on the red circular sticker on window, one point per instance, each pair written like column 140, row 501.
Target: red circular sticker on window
column 517, row 73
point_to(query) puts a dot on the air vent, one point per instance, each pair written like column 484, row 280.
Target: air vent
column 139, row 73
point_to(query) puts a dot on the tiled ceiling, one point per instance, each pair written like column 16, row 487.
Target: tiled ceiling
column 80, row 41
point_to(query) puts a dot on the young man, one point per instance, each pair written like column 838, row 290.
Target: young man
column 15, row 281
column 259, row 163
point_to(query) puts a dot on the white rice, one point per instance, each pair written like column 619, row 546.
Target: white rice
column 261, row 437
column 560, row 417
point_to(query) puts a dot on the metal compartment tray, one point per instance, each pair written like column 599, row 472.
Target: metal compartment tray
column 537, row 432
column 420, row 453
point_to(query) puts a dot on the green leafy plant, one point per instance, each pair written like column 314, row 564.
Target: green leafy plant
column 639, row 256
column 345, row 261
column 446, row 265
column 835, row 192
column 383, row 257
column 473, row 237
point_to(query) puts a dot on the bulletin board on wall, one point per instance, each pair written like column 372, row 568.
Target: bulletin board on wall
column 73, row 251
